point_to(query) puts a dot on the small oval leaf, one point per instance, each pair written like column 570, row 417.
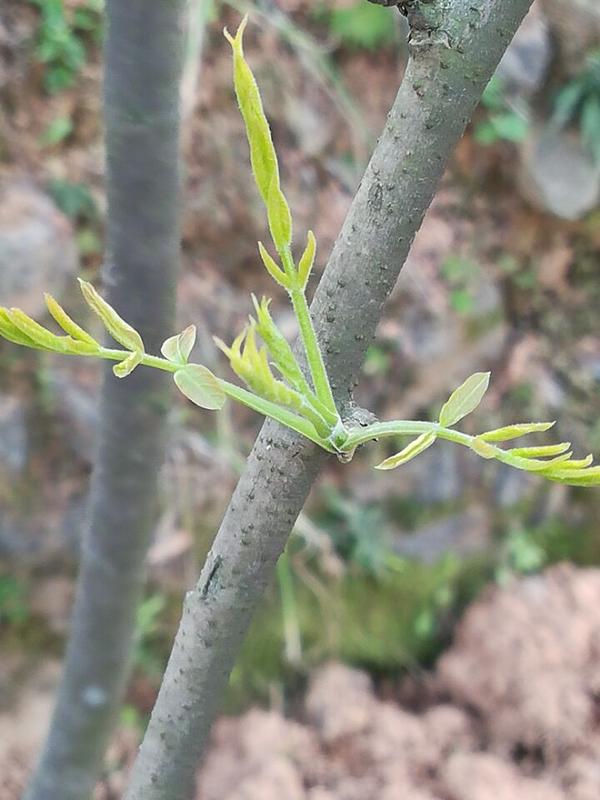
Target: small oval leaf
column 415, row 448
column 200, row 386
column 177, row 348
column 464, row 399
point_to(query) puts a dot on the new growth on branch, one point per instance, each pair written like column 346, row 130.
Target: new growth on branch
column 304, row 403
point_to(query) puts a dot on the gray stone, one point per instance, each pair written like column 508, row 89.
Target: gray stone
column 13, row 436
column 575, row 25
column 525, row 64
column 460, row 534
column 558, row 174
column 37, row 247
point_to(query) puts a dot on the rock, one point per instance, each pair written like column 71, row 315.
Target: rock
column 37, row 247
column 525, row 659
column 524, row 66
column 558, row 174
column 482, row 776
column 335, row 720
column 461, row 534
column 575, row 25
column 13, row 436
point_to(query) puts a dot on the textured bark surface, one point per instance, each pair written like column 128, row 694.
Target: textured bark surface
column 143, row 57
column 452, row 59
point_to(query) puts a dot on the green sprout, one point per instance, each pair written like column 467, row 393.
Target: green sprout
column 302, row 402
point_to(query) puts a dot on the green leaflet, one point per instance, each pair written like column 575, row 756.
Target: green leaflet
column 307, row 260
column 68, row 325
column 10, row 331
column 263, row 157
column 126, row 367
column 540, row 452
column 120, row 330
column 34, row 331
column 272, row 267
column 200, row 386
column 415, row 448
column 464, row 399
column 177, row 348
column 515, row 431
column 280, row 218
column 279, row 347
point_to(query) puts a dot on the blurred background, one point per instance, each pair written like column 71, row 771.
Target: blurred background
column 354, row 660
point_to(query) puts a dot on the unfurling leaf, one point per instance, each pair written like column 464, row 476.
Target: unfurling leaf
column 68, row 325
column 307, row 260
column 262, row 152
column 464, row 399
column 272, row 268
column 33, row 330
column 542, row 451
column 483, row 449
column 120, row 330
column 280, row 218
column 415, row 448
column 12, row 333
column 200, row 386
column 515, row 431
column 279, row 348
column 126, row 367
column 177, row 348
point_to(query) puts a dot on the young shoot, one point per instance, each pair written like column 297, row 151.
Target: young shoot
column 301, row 401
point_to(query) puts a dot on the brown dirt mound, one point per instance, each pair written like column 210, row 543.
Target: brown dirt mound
column 514, row 715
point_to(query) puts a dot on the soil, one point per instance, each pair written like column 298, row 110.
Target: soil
column 509, row 713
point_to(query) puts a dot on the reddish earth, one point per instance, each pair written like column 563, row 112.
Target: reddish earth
column 510, row 713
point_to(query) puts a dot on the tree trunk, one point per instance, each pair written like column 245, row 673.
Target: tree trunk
column 455, row 47
column 143, row 51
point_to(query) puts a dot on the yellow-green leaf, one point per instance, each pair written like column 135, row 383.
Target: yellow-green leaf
column 178, row 348
column 280, row 218
column 464, row 399
column 128, row 364
column 34, row 331
column 307, row 260
column 68, row 325
column 262, row 152
column 120, row 330
column 415, row 448
column 200, row 386
column 509, row 432
column 542, row 451
column 10, row 332
column 272, row 268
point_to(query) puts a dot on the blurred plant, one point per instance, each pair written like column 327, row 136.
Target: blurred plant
column 578, row 103
column 61, row 39
column 361, row 25
column 14, row 609
column 304, row 403
column 145, row 656
column 459, row 273
column 504, row 121
column 522, row 555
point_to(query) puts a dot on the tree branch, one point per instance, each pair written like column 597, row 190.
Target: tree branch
column 143, row 51
column 451, row 62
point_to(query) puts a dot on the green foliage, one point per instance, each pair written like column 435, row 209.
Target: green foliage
column 363, row 25
column 14, row 609
column 304, row 403
column 74, row 200
column 61, row 40
column 502, row 122
column 578, row 103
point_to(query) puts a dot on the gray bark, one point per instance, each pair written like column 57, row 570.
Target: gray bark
column 143, row 53
column 449, row 68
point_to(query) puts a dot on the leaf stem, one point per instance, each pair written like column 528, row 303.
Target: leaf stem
column 314, row 357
